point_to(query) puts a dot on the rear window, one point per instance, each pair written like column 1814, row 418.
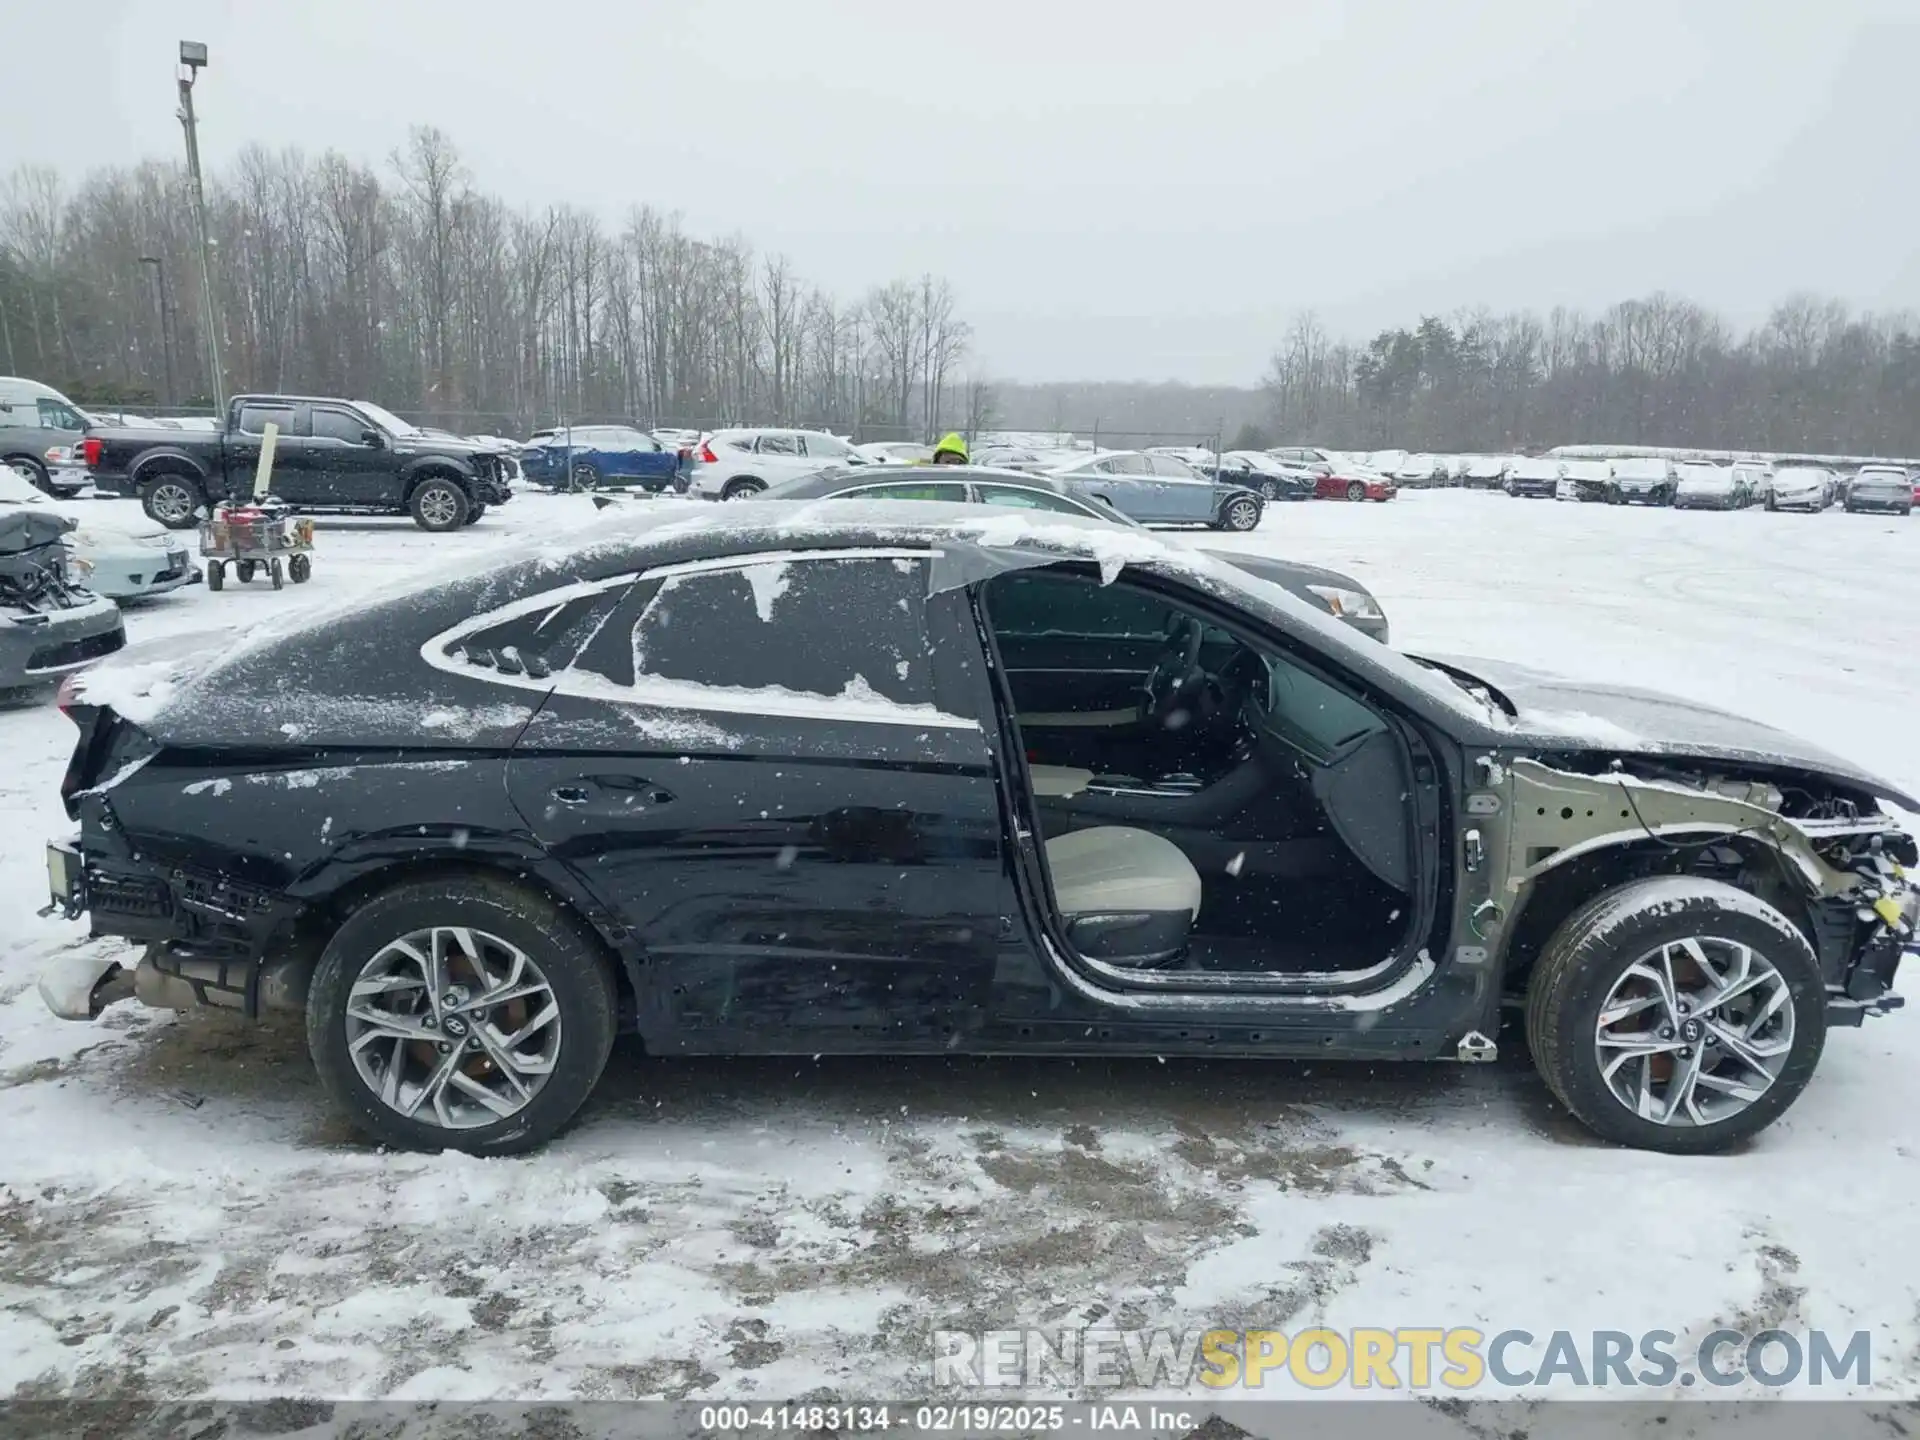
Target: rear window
column 254, row 419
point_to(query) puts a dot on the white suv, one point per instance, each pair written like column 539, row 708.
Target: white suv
column 731, row 463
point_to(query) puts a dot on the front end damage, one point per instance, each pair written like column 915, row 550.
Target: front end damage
column 1820, row 852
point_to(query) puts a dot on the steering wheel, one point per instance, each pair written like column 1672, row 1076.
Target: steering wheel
column 1177, row 682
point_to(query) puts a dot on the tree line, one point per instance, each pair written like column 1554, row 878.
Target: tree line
column 1812, row 377
column 408, row 286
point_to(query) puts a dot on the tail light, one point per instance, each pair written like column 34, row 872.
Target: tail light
column 707, row 457
column 90, row 451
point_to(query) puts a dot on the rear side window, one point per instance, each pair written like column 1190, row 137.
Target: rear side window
column 254, row 419
column 778, row 445
column 539, row 640
column 841, row 628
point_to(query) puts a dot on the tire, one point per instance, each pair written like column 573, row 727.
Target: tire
column 300, row 568
column 1269, row 491
column 1356, row 490
column 500, row 917
column 438, row 505
column 1589, row 960
column 170, row 499
column 216, row 575
column 1241, row 514
column 741, row 488
column 585, row 476
column 277, row 573
column 476, row 512
column 244, row 569
column 32, row 471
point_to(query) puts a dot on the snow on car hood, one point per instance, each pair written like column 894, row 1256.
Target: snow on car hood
column 1553, row 710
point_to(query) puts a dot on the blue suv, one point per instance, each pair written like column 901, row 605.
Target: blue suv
column 587, row 457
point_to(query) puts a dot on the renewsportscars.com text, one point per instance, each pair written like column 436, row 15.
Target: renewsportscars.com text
column 1416, row 1358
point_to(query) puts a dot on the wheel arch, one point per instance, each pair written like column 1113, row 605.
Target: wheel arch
column 436, row 467
column 353, row 876
column 167, row 461
column 1559, row 890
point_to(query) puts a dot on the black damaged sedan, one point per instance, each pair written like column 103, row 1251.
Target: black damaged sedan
column 915, row 778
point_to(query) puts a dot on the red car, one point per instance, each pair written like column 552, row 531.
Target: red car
column 1338, row 486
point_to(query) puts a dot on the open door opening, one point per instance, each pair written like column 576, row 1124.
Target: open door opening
column 1210, row 806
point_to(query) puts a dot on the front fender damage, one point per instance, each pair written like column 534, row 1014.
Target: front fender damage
column 1848, row 869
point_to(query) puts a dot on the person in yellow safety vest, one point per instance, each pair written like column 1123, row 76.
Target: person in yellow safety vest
column 952, row 450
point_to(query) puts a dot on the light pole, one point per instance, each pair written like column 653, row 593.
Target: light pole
column 166, row 321
column 193, row 56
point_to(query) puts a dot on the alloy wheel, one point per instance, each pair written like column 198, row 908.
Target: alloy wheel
column 1242, row 515
column 438, row 507
column 453, row 1027
column 1694, row 1032
column 171, row 502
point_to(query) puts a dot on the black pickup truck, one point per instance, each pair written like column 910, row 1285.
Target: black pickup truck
column 330, row 455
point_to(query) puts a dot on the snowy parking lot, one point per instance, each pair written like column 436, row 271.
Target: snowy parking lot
column 181, row 1215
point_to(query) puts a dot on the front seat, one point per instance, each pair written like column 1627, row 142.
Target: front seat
column 1127, row 897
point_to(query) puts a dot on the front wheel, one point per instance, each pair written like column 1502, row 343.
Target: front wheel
column 216, row 574
column 300, row 568
column 244, row 569
column 1356, row 491
column 439, row 505
column 1269, row 490
column 1241, row 515
column 464, row 1014
column 1677, row 1014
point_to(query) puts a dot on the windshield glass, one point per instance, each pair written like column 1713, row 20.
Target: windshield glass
column 386, row 419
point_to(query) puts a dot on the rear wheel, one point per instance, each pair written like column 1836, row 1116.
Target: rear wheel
column 438, row 505
column 741, row 488
column 216, row 574
column 1356, row 490
column 1676, row 1014
column 244, row 570
column 586, row 476
column 276, row 573
column 300, row 568
column 171, row 500
column 464, row 1014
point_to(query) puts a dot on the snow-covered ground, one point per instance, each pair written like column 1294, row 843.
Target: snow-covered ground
column 181, row 1216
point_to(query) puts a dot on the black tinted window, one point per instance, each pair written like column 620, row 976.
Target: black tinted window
column 816, row 627
column 339, row 425
column 1034, row 603
column 542, row 639
column 254, row 419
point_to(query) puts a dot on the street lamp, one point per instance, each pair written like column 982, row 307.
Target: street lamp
column 193, row 57
column 166, row 321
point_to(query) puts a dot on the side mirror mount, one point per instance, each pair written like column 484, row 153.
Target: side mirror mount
column 373, row 438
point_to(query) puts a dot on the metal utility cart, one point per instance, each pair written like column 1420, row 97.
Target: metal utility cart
column 255, row 537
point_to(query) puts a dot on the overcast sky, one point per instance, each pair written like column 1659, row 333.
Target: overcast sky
column 1120, row 190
